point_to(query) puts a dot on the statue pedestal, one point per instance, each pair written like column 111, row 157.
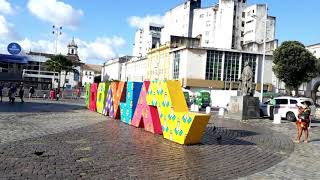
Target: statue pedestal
column 244, row 108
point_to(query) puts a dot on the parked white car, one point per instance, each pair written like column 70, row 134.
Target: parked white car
column 287, row 107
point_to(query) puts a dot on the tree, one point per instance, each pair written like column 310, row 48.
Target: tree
column 60, row 63
column 294, row 64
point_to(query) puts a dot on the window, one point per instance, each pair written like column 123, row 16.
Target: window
column 208, row 23
column 242, row 23
column 242, row 34
column 67, row 80
column 201, row 15
column 243, row 14
column 281, row 101
column 214, row 65
column 86, row 73
column 90, row 73
column 176, row 65
column 249, row 21
column 207, row 42
column 293, row 101
column 231, row 67
column 251, row 31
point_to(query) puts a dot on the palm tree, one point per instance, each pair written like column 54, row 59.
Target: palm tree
column 60, row 63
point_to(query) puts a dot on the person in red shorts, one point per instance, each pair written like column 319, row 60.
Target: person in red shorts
column 303, row 121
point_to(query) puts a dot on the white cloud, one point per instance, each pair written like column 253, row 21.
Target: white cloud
column 55, row 12
column 95, row 52
column 101, row 49
column 140, row 22
column 7, row 31
column 5, row 7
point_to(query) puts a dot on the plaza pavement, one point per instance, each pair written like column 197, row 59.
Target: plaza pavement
column 62, row 140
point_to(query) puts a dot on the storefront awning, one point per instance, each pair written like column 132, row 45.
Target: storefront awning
column 13, row 59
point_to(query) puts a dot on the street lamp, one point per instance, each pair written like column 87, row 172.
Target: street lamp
column 56, row 31
column 264, row 52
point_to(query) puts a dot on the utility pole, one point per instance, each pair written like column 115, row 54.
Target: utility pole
column 56, row 31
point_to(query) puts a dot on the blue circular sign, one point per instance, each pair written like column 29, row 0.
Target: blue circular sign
column 14, row 48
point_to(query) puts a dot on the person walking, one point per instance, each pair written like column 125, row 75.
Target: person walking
column 31, row 92
column 303, row 121
column 12, row 93
column 21, row 93
column 1, row 88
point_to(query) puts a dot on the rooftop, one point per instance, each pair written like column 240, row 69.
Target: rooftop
column 93, row 67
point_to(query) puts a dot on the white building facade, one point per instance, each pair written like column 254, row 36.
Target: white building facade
column 230, row 24
column 146, row 38
column 255, row 29
column 134, row 70
column 179, row 20
column 37, row 69
column 89, row 72
column 111, row 70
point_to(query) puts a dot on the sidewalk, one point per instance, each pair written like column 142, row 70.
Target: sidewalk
column 303, row 163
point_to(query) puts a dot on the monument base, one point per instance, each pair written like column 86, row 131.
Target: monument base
column 244, row 108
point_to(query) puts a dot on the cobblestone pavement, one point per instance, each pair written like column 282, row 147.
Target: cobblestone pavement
column 63, row 140
column 303, row 163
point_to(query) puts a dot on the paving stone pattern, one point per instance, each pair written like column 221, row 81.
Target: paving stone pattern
column 81, row 144
column 303, row 163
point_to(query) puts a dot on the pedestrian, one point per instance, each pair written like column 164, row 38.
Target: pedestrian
column 21, row 93
column 272, row 104
column 303, row 121
column 12, row 93
column 78, row 93
column 57, row 94
column 1, row 88
column 31, row 92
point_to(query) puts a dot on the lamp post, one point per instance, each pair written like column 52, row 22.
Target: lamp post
column 56, row 31
column 264, row 54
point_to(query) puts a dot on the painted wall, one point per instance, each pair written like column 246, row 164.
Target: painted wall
column 164, row 99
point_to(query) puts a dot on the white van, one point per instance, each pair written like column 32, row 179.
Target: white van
column 287, row 107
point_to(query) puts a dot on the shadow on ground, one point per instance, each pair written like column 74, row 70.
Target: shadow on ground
column 34, row 107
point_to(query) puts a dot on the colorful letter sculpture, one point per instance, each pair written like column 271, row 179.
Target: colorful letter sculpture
column 101, row 97
column 146, row 116
column 158, row 106
column 118, row 95
column 128, row 107
column 178, row 124
column 93, row 97
column 87, row 87
column 108, row 109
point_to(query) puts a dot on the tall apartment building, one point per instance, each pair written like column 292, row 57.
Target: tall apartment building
column 230, row 24
column 146, row 38
column 179, row 20
column 255, row 18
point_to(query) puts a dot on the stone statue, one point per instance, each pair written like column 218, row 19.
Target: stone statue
column 246, row 80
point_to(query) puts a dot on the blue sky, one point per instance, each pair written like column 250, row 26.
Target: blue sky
column 102, row 29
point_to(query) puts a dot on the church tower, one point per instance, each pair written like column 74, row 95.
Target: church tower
column 72, row 48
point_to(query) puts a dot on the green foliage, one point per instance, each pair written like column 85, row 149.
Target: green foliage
column 61, row 63
column 294, row 64
column 57, row 63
